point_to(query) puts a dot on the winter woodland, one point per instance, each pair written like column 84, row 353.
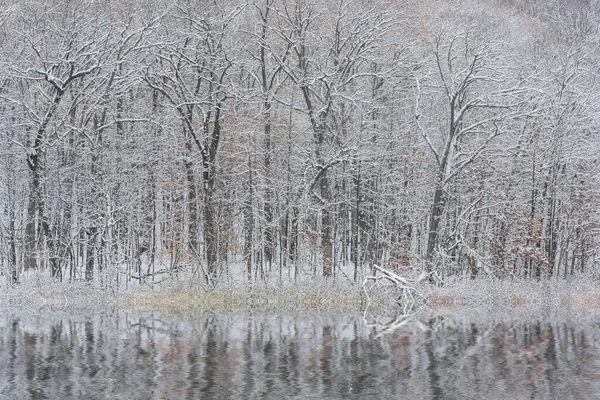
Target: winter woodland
column 148, row 140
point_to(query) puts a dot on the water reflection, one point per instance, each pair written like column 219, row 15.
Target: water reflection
column 125, row 355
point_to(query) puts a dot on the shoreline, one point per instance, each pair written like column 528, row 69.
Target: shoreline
column 580, row 294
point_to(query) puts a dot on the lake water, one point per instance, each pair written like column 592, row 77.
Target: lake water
column 201, row 355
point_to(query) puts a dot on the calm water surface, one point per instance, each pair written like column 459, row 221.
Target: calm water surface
column 131, row 355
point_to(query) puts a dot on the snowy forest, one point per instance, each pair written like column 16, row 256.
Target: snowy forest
column 270, row 139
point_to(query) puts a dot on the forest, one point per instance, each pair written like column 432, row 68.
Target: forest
column 265, row 140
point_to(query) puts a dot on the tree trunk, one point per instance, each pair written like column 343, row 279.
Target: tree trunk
column 326, row 227
column 30, row 256
column 89, row 262
column 249, row 221
column 356, row 223
column 437, row 209
column 12, row 249
column 210, row 231
column 192, row 206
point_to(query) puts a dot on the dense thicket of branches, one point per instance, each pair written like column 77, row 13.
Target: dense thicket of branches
column 219, row 140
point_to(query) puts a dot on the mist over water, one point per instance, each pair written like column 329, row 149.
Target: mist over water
column 131, row 355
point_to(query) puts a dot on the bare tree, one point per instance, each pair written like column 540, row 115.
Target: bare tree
column 191, row 73
column 330, row 60
column 479, row 97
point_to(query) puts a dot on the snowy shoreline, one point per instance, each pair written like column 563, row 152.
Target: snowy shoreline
column 476, row 295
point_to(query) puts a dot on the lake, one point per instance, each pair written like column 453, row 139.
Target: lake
column 304, row 355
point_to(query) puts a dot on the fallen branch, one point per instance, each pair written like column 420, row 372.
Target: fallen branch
column 407, row 298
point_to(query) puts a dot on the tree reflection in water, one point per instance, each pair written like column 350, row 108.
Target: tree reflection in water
column 204, row 355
